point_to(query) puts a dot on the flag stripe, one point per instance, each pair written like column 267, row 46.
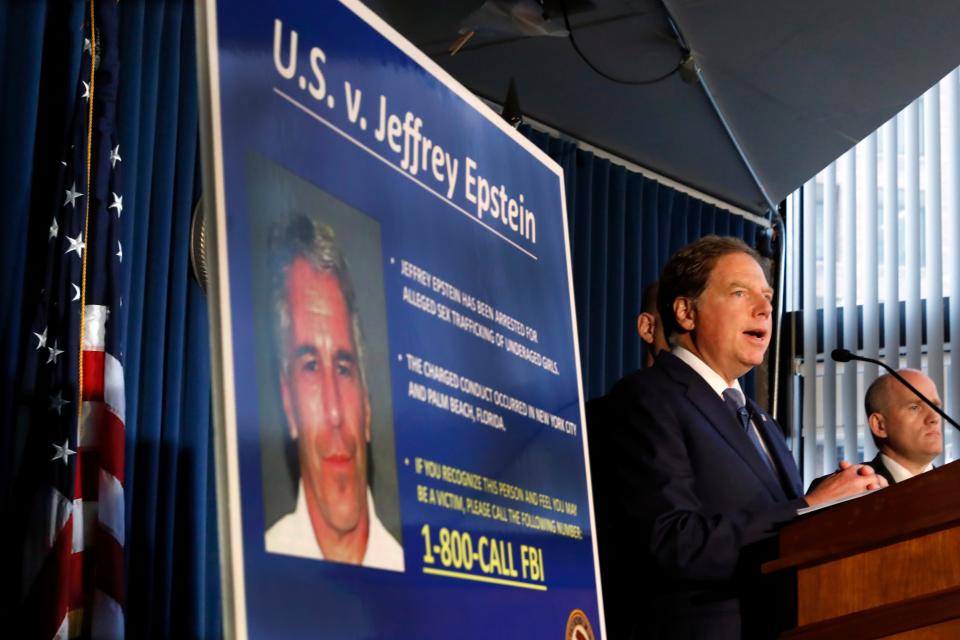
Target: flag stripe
column 111, row 506
column 90, row 475
column 101, row 431
column 78, row 470
column 94, row 327
column 63, row 633
column 111, row 440
column 107, row 616
column 48, row 602
column 113, row 387
column 93, row 375
column 109, row 577
column 89, row 433
column 84, row 524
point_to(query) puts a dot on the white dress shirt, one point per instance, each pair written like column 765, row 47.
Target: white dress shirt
column 898, row 471
column 719, row 385
column 292, row 535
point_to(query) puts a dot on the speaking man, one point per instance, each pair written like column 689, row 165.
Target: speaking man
column 702, row 473
column 325, row 404
column 907, row 432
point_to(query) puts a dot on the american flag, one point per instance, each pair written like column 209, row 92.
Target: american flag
column 73, row 563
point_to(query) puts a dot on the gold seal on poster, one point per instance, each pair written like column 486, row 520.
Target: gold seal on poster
column 578, row 626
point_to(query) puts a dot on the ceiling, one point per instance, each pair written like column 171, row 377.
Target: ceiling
column 797, row 83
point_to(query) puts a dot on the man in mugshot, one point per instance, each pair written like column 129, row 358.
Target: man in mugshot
column 325, row 403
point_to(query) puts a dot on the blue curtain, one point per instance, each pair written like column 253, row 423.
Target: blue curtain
column 172, row 575
column 623, row 227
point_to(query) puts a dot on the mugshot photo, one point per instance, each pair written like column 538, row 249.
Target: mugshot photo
column 323, row 375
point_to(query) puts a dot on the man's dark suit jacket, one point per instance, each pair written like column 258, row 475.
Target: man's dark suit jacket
column 684, row 501
column 877, row 464
column 881, row 469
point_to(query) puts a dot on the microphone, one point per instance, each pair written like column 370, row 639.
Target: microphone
column 843, row 355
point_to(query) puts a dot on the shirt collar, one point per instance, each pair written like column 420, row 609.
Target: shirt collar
column 301, row 511
column 898, row 471
column 711, row 377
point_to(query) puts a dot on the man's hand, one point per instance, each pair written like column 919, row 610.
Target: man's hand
column 848, row 480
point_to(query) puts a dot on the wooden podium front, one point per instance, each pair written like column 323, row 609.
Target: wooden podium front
column 886, row 565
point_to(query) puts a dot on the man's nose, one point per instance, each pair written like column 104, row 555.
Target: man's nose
column 331, row 405
column 763, row 306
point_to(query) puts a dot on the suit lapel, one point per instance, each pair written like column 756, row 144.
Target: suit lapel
column 719, row 416
column 881, row 469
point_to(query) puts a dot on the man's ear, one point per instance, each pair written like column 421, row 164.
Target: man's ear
column 288, row 407
column 646, row 326
column 685, row 312
column 878, row 425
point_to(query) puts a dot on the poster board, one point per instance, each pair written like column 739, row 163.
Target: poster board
column 399, row 415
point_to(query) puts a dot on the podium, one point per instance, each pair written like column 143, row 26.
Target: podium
column 886, row 565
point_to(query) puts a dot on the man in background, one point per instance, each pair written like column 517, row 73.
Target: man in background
column 599, row 425
column 650, row 327
column 907, row 432
column 325, row 403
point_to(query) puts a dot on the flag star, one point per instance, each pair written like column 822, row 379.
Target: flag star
column 41, row 339
column 86, row 44
column 63, row 162
column 119, row 252
column 76, row 244
column 72, row 195
column 86, row 90
column 57, row 402
column 116, row 204
column 54, row 352
column 115, row 157
column 76, row 292
column 62, row 453
column 54, row 229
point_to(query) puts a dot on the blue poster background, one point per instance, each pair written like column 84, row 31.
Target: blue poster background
column 314, row 126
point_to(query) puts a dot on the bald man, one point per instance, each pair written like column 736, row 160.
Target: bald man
column 907, row 432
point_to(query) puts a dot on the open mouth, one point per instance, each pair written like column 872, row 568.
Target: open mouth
column 757, row 334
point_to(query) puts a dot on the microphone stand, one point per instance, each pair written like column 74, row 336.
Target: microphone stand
column 843, row 355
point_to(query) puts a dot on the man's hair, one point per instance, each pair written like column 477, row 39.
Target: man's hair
column 302, row 236
column 688, row 270
column 648, row 303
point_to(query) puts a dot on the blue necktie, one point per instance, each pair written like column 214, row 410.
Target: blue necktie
column 734, row 400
